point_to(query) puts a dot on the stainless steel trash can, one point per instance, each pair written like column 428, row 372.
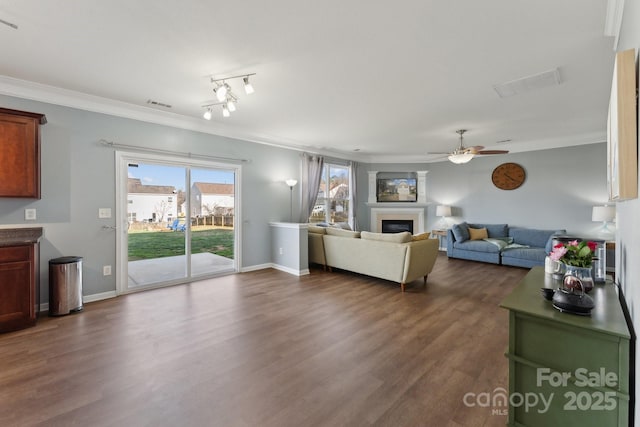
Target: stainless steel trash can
column 65, row 285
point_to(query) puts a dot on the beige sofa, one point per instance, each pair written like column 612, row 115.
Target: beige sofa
column 395, row 257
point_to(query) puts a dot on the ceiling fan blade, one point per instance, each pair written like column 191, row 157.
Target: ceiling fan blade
column 493, row 152
column 474, row 150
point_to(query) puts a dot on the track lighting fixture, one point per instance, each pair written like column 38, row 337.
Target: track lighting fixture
column 224, row 95
column 248, row 88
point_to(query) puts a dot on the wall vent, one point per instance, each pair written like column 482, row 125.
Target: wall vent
column 526, row 84
column 158, row 104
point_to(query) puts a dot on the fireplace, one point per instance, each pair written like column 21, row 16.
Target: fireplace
column 415, row 216
column 397, row 225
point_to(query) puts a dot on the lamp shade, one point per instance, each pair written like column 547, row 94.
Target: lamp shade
column 442, row 210
column 603, row 213
column 291, row 182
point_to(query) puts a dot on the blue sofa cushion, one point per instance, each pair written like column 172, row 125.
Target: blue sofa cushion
column 531, row 254
column 476, row 245
column 494, row 230
column 531, row 237
column 460, row 232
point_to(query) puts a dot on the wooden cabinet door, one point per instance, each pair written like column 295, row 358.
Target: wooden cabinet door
column 17, row 288
column 19, row 155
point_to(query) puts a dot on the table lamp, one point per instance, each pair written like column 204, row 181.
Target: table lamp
column 443, row 212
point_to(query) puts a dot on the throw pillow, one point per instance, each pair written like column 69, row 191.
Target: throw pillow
column 421, row 236
column 478, row 233
column 460, row 232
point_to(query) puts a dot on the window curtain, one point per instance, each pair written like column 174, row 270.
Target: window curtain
column 311, row 176
column 353, row 220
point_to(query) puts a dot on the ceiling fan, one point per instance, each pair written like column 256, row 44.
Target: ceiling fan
column 464, row 154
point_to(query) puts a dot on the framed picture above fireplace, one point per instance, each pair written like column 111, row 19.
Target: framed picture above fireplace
column 400, row 189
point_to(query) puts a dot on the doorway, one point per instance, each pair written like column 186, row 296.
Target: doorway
column 178, row 220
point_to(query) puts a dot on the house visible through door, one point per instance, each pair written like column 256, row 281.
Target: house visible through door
column 179, row 221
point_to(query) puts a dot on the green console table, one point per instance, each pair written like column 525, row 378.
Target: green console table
column 566, row 370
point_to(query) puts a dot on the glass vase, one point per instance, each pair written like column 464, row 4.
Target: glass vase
column 573, row 276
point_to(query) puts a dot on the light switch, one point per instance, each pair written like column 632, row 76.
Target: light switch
column 30, row 214
column 104, row 213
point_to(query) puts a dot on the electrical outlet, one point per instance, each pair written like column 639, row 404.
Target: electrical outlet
column 106, row 270
column 281, row 252
column 30, row 214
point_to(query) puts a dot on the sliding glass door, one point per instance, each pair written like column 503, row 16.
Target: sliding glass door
column 178, row 220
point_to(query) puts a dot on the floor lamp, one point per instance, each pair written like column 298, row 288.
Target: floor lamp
column 291, row 183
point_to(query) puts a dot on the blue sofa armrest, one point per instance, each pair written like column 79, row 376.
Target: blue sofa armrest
column 450, row 240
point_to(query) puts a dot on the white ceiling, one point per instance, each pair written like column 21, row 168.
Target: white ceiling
column 393, row 80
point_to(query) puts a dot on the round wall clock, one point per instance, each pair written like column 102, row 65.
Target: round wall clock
column 508, row 176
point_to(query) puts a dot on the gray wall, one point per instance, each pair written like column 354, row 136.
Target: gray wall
column 561, row 188
column 628, row 212
column 78, row 177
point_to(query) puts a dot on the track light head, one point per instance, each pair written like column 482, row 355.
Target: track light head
column 225, row 111
column 248, row 88
column 231, row 105
column 221, row 92
column 207, row 114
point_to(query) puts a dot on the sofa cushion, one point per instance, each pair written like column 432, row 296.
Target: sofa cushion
column 403, row 237
column 530, row 237
column 531, row 254
column 477, row 233
column 343, row 233
column 477, row 246
column 422, row 236
column 317, row 230
column 494, row 230
column 460, row 232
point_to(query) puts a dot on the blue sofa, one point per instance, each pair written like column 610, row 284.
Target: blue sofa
column 516, row 246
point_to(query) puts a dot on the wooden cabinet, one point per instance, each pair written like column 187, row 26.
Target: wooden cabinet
column 579, row 364
column 19, row 278
column 20, row 153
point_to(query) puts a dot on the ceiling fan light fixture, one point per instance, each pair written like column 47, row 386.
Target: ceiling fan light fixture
column 460, row 158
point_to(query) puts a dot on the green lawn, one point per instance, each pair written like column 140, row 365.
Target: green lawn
column 167, row 243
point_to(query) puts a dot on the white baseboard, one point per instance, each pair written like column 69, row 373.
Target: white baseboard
column 277, row 267
column 99, row 297
column 291, row 270
column 256, row 267
column 86, row 298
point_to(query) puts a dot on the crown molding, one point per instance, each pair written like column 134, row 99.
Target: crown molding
column 68, row 98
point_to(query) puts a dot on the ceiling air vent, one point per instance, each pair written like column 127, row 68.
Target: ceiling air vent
column 526, row 84
column 158, row 104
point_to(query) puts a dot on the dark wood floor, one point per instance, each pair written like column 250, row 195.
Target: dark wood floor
column 269, row 349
